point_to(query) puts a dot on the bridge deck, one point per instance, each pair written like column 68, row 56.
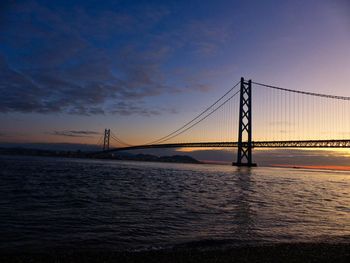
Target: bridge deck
column 255, row 144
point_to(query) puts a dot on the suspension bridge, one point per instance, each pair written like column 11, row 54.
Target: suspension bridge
column 283, row 118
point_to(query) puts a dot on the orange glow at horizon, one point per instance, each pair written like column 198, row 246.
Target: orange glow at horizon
column 321, row 167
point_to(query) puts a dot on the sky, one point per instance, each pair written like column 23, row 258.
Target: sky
column 70, row 69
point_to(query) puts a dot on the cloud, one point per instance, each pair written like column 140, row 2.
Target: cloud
column 126, row 109
column 18, row 91
column 68, row 90
column 60, row 65
column 55, row 84
column 73, row 133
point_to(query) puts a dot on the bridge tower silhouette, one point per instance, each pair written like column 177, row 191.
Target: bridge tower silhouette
column 244, row 147
column 106, row 138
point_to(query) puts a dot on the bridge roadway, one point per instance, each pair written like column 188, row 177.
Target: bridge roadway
column 255, row 144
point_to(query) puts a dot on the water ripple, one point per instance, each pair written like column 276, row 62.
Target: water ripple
column 67, row 203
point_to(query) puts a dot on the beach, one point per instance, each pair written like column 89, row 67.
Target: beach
column 294, row 252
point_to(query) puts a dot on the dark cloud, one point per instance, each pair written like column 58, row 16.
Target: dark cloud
column 18, row 92
column 83, row 88
column 68, row 91
column 126, row 109
column 74, row 133
column 59, row 61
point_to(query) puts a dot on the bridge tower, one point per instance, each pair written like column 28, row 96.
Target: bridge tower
column 244, row 152
column 106, row 139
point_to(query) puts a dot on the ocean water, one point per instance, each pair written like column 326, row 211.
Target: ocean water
column 57, row 203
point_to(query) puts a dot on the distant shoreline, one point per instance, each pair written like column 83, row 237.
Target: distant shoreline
column 98, row 156
column 150, row 158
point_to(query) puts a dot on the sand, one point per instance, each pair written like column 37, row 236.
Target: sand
column 300, row 252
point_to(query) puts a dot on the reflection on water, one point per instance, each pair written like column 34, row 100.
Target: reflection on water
column 65, row 203
column 244, row 215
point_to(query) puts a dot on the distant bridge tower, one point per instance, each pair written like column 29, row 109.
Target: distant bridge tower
column 106, row 139
column 244, row 153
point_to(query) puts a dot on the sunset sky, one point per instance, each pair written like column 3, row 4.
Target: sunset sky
column 70, row 69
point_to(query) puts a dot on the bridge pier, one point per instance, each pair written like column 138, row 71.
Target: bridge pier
column 106, row 139
column 244, row 151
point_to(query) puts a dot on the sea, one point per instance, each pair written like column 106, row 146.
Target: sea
column 49, row 203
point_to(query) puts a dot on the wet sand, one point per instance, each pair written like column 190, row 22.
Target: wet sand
column 309, row 252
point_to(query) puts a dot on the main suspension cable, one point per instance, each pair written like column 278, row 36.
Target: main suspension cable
column 197, row 117
column 203, row 118
column 113, row 136
column 303, row 92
